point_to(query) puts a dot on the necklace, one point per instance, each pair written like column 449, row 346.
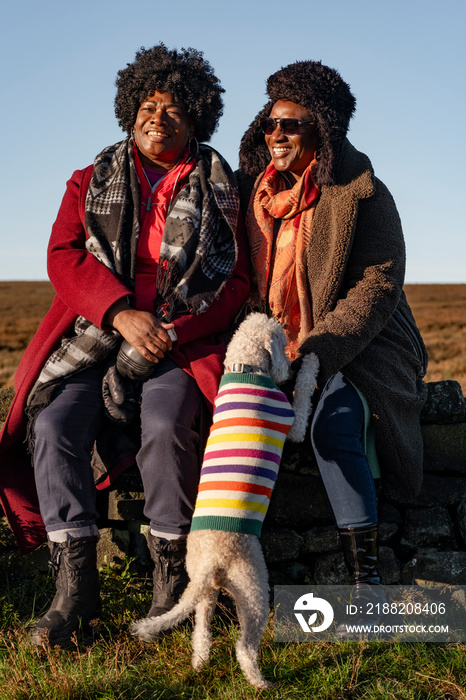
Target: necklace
column 156, row 184
column 153, row 187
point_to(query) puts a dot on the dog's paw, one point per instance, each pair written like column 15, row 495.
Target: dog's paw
column 198, row 662
column 263, row 685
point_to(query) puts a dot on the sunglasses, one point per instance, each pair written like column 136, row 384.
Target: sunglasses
column 288, row 125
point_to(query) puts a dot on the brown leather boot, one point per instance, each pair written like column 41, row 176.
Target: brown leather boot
column 169, row 576
column 77, row 598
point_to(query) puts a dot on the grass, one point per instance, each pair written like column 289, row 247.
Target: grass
column 111, row 665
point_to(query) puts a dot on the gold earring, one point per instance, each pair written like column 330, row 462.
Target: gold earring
column 193, row 146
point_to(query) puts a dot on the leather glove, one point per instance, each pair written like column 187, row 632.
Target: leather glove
column 120, row 395
column 121, row 385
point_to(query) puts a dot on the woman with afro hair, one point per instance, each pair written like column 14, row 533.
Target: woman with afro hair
column 328, row 258
column 149, row 270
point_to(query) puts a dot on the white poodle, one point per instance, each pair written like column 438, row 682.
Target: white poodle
column 231, row 560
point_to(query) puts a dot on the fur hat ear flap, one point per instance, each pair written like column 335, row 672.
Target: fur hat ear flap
column 254, row 155
column 275, row 344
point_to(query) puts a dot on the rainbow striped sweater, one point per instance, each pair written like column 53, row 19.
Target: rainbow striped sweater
column 251, row 420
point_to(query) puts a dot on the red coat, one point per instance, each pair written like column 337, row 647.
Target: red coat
column 85, row 287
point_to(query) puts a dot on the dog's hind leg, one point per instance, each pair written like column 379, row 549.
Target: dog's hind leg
column 250, row 591
column 202, row 633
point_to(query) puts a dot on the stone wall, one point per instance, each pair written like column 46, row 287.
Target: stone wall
column 422, row 539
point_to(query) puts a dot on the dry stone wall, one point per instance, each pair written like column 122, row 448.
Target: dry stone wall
column 422, row 539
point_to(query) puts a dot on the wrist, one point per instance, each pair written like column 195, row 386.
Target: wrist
column 122, row 304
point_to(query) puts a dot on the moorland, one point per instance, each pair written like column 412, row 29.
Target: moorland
column 439, row 309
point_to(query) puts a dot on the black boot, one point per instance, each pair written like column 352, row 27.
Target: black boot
column 361, row 554
column 170, row 576
column 77, row 599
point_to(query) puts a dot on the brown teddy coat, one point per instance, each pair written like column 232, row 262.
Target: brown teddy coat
column 363, row 325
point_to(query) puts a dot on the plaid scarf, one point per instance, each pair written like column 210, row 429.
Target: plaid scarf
column 197, row 256
column 278, row 223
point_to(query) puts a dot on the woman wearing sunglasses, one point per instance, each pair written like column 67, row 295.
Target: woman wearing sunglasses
column 329, row 259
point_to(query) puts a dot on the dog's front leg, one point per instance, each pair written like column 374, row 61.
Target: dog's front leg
column 202, row 633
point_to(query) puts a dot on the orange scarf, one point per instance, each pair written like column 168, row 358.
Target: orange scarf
column 279, row 266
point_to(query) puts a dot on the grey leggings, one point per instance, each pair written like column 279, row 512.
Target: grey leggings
column 65, row 431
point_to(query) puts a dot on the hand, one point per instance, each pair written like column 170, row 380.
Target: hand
column 288, row 387
column 296, row 365
column 141, row 329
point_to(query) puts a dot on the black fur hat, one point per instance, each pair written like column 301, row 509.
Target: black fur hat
column 325, row 94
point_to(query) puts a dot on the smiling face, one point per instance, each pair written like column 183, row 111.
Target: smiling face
column 292, row 154
column 161, row 130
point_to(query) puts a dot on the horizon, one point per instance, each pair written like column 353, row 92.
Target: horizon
column 405, row 284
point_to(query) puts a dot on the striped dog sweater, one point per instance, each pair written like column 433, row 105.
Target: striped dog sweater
column 251, row 420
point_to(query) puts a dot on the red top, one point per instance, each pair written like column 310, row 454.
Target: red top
column 153, row 213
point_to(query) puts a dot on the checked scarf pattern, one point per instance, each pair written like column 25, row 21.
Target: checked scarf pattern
column 197, row 256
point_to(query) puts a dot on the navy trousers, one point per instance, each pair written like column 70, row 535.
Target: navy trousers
column 169, row 457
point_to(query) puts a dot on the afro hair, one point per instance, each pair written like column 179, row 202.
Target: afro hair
column 328, row 98
column 185, row 74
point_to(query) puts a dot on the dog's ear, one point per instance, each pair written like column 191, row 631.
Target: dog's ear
column 275, row 344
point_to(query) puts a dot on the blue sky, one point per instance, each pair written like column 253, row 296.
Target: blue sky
column 405, row 61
